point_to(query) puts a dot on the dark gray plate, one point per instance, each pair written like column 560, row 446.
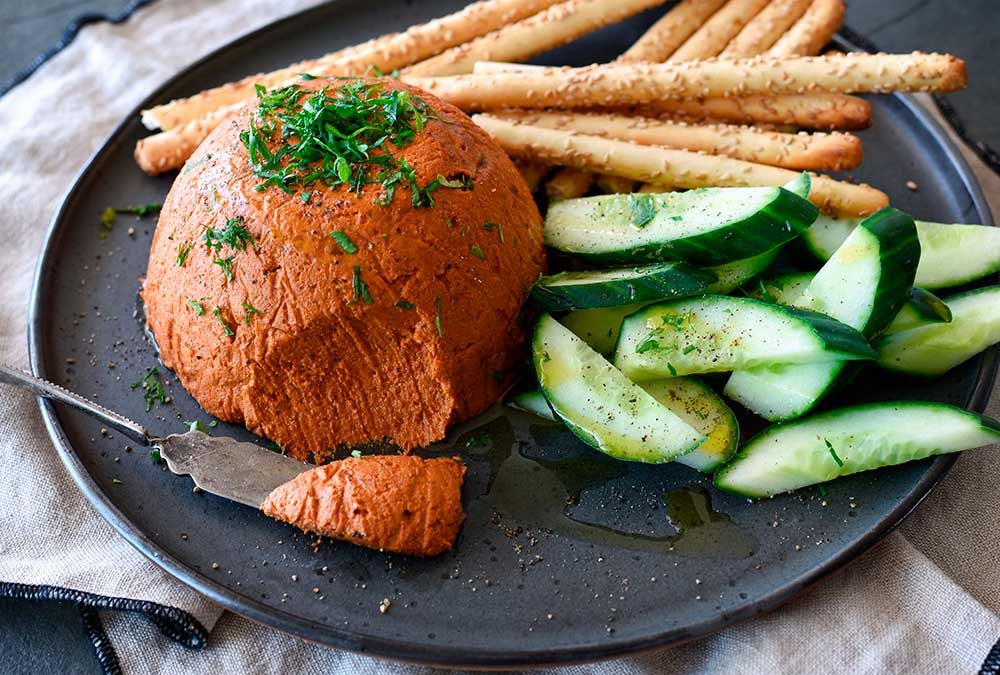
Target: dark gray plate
column 565, row 556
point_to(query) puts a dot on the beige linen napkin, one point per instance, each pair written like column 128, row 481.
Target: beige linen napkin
column 925, row 600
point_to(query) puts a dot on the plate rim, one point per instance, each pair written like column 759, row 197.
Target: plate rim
column 445, row 655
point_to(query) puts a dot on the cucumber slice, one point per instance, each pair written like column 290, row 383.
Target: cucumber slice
column 599, row 328
column 533, row 402
column 800, row 185
column 950, row 255
column 719, row 333
column 864, row 284
column 600, row 405
column 731, row 276
column 708, row 226
column 612, row 288
column 698, row 405
column 923, row 307
column 934, row 348
column 816, row 449
column 781, row 289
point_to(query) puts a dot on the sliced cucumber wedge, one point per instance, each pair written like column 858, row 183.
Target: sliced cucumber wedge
column 934, row 348
column 698, row 405
column 600, row 405
column 731, row 276
column 612, row 288
column 840, row 442
column 950, row 255
column 864, row 284
column 599, row 328
column 800, row 185
column 708, row 226
column 923, row 307
column 717, row 333
column 532, row 401
column 781, row 289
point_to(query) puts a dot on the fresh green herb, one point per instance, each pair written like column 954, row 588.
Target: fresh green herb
column 833, row 453
column 198, row 162
column 226, row 328
column 234, row 235
column 360, row 287
column 356, row 454
column 641, row 209
column 143, row 210
column 183, row 249
column 116, row 481
column 422, row 196
column 648, row 344
column 489, row 227
column 437, row 316
column 226, row 264
column 689, row 349
column 673, row 371
column 305, row 196
column 478, row 440
column 675, row 320
column 478, row 252
column 404, row 304
column 108, row 217
column 154, row 455
column 821, row 489
column 152, row 388
column 213, row 424
column 196, row 425
column 306, row 76
column 198, row 308
column 248, row 312
column 335, row 136
column 378, row 72
column 345, row 242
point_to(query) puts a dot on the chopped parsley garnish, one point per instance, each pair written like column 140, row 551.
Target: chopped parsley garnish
column 196, row 425
column 152, row 388
column 227, row 266
column 647, row 344
column 226, row 328
column 360, row 287
column 304, row 196
column 345, row 242
column 248, row 312
column 108, row 217
column 437, row 316
column 689, row 349
column 108, row 214
column 833, row 453
column 821, row 489
column 489, row 227
column 673, row 371
column 306, row 76
column 478, row 440
column 233, row 235
column 356, row 454
column 478, row 252
column 404, row 304
column 641, row 209
column 154, row 456
column 198, row 308
column 183, row 249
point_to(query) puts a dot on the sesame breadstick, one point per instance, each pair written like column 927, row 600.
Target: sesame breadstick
column 615, row 85
column 815, row 152
column 813, row 31
column 568, row 183
column 715, row 34
column 666, row 35
column 519, row 41
column 677, row 168
column 765, row 28
column 387, row 53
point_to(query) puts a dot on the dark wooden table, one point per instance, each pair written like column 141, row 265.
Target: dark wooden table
column 50, row 638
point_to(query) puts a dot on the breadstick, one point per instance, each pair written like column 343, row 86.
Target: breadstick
column 169, row 150
column 532, row 172
column 716, row 33
column 678, row 168
column 813, row 31
column 613, row 85
column 666, row 35
column 568, row 183
column 765, row 28
column 519, row 41
column 806, row 111
column 816, row 152
column 614, row 185
column 387, row 52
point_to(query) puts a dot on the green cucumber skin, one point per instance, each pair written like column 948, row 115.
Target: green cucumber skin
column 831, row 336
column 731, row 276
column 810, row 461
column 780, row 221
column 933, row 348
column 923, row 308
column 600, row 327
column 654, row 282
column 934, row 271
column 752, row 387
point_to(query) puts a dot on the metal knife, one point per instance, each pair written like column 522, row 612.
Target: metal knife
column 243, row 472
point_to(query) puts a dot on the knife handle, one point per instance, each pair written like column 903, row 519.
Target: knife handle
column 47, row 389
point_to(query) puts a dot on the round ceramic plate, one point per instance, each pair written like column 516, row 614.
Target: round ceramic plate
column 565, row 555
